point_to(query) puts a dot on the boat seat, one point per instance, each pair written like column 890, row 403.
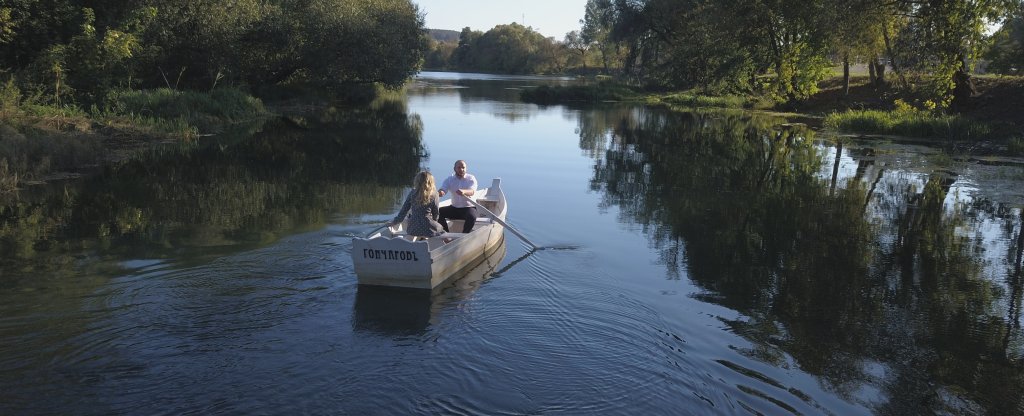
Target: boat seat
column 490, row 204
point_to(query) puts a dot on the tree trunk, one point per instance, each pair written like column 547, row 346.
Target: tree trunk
column 879, row 73
column 892, row 58
column 604, row 59
column 835, row 167
column 871, row 70
column 963, row 87
column 846, row 74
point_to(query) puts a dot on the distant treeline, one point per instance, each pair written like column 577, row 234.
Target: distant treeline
column 506, row 49
column 59, row 51
column 780, row 47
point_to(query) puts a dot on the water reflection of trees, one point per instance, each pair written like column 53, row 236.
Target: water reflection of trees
column 838, row 279
column 219, row 193
column 497, row 97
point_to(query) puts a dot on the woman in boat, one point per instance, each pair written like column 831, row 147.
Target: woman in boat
column 421, row 207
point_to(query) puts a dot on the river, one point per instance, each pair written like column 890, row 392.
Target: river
column 695, row 262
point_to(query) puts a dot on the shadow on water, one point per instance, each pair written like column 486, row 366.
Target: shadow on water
column 66, row 249
column 219, row 192
column 397, row 311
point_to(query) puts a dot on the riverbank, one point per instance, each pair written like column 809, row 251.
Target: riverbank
column 990, row 120
column 40, row 143
column 993, row 113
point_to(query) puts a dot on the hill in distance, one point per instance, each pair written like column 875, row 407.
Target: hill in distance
column 442, row 35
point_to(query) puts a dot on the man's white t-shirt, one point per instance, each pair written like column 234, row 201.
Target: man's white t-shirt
column 453, row 183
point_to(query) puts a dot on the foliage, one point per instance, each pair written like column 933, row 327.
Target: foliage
column 596, row 31
column 439, row 56
column 506, row 49
column 10, row 98
column 799, row 72
column 78, row 50
column 944, row 40
column 1006, row 55
column 726, row 46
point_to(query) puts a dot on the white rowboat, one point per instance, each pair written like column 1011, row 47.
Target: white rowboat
column 391, row 257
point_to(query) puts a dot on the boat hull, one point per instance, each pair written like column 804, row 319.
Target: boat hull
column 390, row 258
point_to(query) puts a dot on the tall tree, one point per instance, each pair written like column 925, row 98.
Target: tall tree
column 575, row 42
column 508, row 49
column 950, row 35
column 1006, row 55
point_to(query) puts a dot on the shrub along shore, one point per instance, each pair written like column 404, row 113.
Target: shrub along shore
column 993, row 115
column 43, row 142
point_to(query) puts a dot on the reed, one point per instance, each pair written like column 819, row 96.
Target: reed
column 222, row 105
column 1015, row 146
column 8, row 178
column 910, row 123
column 696, row 100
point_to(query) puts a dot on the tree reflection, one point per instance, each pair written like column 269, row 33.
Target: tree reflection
column 223, row 192
column 834, row 277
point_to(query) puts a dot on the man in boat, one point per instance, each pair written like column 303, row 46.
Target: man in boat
column 462, row 186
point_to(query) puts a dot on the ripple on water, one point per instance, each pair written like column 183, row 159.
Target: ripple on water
column 596, row 349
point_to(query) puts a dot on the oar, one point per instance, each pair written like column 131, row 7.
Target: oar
column 505, row 224
column 376, row 229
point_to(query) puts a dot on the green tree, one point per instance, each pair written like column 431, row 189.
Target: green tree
column 947, row 37
column 595, row 31
column 87, row 47
column 576, row 43
column 857, row 36
column 508, row 49
column 439, row 55
column 464, row 55
column 1006, row 55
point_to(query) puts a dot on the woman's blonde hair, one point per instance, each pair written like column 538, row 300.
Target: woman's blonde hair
column 425, row 188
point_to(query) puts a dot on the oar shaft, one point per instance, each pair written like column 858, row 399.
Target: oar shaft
column 375, row 230
column 505, row 224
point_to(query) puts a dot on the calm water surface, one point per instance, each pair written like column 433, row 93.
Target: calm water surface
column 703, row 263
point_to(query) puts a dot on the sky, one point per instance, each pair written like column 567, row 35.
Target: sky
column 552, row 18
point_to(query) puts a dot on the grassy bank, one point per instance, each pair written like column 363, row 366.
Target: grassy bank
column 601, row 91
column 695, row 100
column 904, row 121
column 39, row 142
column 993, row 114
